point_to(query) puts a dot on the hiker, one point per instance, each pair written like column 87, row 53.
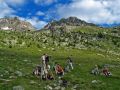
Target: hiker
column 96, row 71
column 37, row 71
column 43, row 60
column 44, row 73
column 63, row 82
column 67, row 68
column 70, row 63
column 59, row 70
column 50, row 76
column 106, row 71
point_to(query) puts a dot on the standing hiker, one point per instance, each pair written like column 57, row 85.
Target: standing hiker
column 44, row 70
column 43, row 59
column 44, row 73
column 70, row 62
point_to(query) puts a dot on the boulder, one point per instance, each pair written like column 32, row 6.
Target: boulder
column 48, row 87
column 18, row 88
column 18, row 73
column 57, row 88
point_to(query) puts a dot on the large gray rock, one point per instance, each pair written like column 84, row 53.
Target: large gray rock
column 32, row 82
column 48, row 87
column 57, row 88
column 19, row 73
column 18, row 88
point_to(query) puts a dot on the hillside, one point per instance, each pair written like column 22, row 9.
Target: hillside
column 15, row 24
column 20, row 53
column 18, row 63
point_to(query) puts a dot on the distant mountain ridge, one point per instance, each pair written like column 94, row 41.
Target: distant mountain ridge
column 71, row 21
column 15, row 24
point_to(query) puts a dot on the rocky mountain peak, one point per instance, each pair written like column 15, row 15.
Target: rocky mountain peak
column 69, row 22
column 15, row 24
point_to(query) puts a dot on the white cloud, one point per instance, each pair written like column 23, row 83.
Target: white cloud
column 96, row 11
column 15, row 2
column 39, row 13
column 35, row 22
column 5, row 10
column 45, row 2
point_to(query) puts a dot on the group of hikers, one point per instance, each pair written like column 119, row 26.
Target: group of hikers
column 45, row 71
column 98, row 70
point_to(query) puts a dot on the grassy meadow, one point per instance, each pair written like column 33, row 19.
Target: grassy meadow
column 17, row 64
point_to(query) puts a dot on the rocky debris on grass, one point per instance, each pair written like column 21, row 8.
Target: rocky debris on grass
column 44, row 47
column 57, row 88
column 54, row 85
column 32, row 82
column 62, row 88
column 18, row 73
column 95, row 81
column 25, row 60
column 1, row 75
column 53, row 49
column 73, row 89
column 5, row 80
column 12, row 77
column 18, row 88
column 75, row 86
column 39, row 84
column 100, row 55
column 48, row 87
column 39, row 50
column 6, row 72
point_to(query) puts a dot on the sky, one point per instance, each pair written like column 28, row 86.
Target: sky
column 41, row 12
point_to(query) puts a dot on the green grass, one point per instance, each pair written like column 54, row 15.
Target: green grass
column 13, row 60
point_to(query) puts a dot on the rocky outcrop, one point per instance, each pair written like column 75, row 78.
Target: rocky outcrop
column 15, row 24
column 69, row 23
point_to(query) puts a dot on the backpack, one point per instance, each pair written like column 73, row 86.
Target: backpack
column 47, row 59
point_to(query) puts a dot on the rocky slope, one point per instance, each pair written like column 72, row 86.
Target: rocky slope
column 15, row 24
column 68, row 23
column 80, row 37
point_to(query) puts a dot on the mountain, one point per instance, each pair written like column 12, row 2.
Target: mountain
column 69, row 23
column 15, row 24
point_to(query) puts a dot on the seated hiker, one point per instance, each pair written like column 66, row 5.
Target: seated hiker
column 43, row 77
column 106, row 71
column 63, row 82
column 48, row 67
column 50, row 76
column 95, row 71
column 70, row 63
column 67, row 68
column 37, row 71
column 59, row 70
